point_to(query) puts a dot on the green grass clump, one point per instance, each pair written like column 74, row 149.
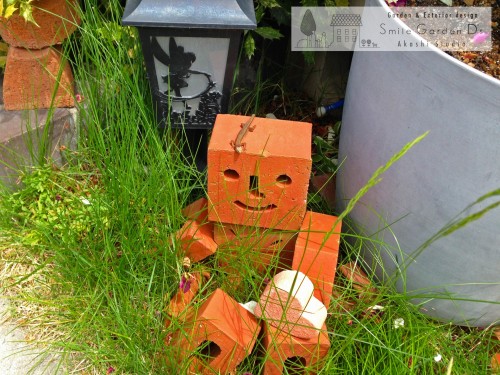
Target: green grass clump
column 89, row 251
column 101, row 227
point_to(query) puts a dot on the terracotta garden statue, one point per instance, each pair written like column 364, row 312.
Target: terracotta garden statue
column 258, row 177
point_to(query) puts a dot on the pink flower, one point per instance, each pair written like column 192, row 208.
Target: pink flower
column 79, row 98
column 110, row 370
column 185, row 284
column 480, row 38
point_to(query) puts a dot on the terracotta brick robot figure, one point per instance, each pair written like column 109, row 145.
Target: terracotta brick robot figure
column 258, row 178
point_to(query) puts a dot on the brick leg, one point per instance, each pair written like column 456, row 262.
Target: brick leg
column 283, row 350
column 217, row 337
column 316, row 252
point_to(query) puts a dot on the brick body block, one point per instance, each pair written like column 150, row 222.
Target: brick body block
column 266, row 184
column 260, row 245
column 316, row 255
column 280, row 346
column 56, row 20
column 30, row 79
column 222, row 323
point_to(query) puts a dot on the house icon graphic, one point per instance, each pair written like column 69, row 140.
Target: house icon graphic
column 346, row 29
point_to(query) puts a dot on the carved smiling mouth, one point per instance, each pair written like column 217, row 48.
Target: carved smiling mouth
column 269, row 207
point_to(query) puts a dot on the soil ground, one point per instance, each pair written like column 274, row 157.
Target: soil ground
column 487, row 62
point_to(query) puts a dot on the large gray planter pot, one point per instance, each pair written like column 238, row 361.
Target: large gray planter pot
column 393, row 97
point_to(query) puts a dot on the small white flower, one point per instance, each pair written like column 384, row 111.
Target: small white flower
column 438, row 358
column 85, row 201
column 376, row 307
column 398, row 323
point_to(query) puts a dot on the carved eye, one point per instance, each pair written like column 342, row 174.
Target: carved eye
column 283, row 179
column 231, row 174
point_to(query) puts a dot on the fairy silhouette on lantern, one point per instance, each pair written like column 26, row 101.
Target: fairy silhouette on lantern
column 179, row 64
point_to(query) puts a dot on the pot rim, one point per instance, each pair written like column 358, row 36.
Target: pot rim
column 443, row 54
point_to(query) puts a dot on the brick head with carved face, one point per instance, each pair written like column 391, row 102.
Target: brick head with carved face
column 264, row 185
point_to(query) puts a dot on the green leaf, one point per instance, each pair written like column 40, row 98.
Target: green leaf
column 269, row 3
column 26, row 11
column 259, row 13
column 309, row 57
column 249, row 45
column 9, row 11
column 281, row 15
column 112, row 32
column 447, row 2
column 268, row 33
column 4, row 47
column 316, row 158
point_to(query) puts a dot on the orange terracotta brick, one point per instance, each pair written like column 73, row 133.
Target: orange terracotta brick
column 217, row 337
column 30, row 79
column 316, row 252
column 283, row 350
column 265, row 185
column 318, row 266
column 260, row 246
column 360, row 281
column 56, row 20
column 288, row 304
column 197, row 240
column 198, row 210
column 495, row 363
column 178, row 305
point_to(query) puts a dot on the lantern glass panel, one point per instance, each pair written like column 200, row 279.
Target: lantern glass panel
column 190, row 74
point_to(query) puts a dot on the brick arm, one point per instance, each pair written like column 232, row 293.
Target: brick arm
column 316, row 252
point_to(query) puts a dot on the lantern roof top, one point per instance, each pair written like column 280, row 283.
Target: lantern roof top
column 205, row 14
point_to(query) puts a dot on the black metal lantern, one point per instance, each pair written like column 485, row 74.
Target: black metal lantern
column 190, row 49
